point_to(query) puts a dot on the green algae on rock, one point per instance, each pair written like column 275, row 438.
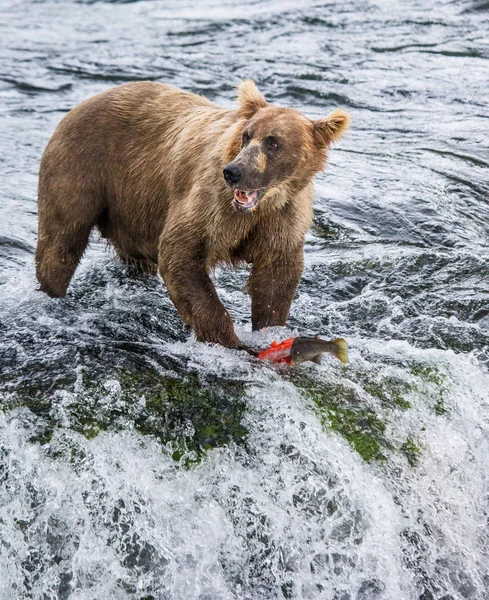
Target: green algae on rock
column 187, row 414
column 411, row 450
column 339, row 408
column 341, row 405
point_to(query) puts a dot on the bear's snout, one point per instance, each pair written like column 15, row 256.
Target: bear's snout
column 232, row 174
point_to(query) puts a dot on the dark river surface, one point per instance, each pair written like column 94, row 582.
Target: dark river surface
column 139, row 464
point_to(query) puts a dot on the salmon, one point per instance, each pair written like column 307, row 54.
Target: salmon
column 301, row 349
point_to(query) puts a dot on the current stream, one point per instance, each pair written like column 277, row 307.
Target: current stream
column 138, row 464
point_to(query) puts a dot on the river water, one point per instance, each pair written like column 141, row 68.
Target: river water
column 139, row 464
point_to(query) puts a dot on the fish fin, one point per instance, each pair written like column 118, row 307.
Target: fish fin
column 342, row 350
column 316, row 359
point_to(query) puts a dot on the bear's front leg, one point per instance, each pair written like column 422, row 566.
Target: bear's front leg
column 185, row 275
column 272, row 286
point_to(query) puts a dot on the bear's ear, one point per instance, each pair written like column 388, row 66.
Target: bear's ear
column 250, row 98
column 331, row 128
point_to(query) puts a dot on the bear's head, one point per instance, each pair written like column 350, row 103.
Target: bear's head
column 276, row 149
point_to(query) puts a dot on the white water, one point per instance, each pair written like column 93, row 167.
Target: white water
column 297, row 514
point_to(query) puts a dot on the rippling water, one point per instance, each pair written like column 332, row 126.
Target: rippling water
column 137, row 463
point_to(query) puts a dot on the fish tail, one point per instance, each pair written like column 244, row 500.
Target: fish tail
column 341, row 351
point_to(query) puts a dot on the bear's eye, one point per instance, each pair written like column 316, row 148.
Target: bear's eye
column 272, row 143
column 246, row 138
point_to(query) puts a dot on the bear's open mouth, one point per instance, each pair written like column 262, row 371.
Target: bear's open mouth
column 246, row 200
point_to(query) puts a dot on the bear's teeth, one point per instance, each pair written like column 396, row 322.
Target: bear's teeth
column 246, row 199
column 241, row 196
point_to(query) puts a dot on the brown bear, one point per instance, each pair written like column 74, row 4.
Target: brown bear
column 178, row 184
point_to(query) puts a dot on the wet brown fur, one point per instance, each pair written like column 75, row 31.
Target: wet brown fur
column 143, row 162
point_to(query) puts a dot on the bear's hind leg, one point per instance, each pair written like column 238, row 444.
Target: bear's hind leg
column 57, row 256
